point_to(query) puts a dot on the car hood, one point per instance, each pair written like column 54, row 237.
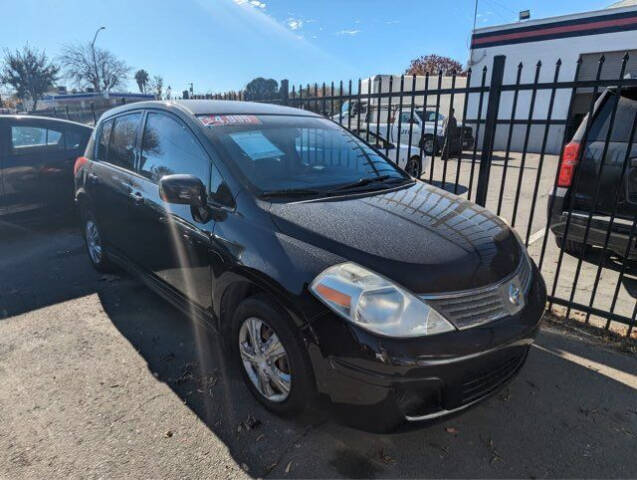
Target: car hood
column 422, row 237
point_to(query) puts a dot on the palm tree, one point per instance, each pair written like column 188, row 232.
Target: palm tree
column 141, row 77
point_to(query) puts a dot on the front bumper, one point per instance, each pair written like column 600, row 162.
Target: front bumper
column 379, row 383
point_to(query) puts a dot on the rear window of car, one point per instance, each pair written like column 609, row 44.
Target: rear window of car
column 121, row 149
column 626, row 110
column 24, row 138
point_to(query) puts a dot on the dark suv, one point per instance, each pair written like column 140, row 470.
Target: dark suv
column 598, row 176
column 326, row 269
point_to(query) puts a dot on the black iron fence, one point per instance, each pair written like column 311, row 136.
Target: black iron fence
column 502, row 138
column 546, row 147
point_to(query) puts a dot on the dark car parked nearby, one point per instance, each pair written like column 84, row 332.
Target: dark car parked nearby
column 36, row 164
column 607, row 194
column 328, row 270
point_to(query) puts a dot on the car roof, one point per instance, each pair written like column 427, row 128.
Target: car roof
column 215, row 107
column 47, row 119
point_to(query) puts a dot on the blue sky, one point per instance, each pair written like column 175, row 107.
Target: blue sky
column 223, row 44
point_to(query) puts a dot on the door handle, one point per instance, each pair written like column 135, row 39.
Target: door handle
column 137, row 197
column 93, row 179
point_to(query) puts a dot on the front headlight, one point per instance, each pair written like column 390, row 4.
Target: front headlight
column 375, row 303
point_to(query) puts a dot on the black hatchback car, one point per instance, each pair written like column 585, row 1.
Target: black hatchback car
column 37, row 155
column 329, row 271
column 602, row 196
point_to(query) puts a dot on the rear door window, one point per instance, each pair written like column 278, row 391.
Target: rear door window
column 168, row 147
column 121, row 149
column 26, row 138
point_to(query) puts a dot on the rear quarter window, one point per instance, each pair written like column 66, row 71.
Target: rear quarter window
column 104, row 137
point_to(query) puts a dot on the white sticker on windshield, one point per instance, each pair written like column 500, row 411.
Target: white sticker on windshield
column 225, row 120
column 256, row 145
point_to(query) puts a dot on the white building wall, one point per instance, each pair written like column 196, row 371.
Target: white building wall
column 548, row 52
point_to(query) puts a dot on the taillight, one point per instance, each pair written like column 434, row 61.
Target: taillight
column 568, row 164
column 78, row 164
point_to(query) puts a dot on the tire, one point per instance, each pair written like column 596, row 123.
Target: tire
column 413, row 166
column 95, row 249
column 295, row 364
column 572, row 247
column 428, row 145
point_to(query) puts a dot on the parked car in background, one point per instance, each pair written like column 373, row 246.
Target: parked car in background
column 326, row 269
column 36, row 164
column 410, row 158
column 600, row 192
column 358, row 115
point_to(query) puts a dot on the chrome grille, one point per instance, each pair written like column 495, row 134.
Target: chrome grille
column 471, row 308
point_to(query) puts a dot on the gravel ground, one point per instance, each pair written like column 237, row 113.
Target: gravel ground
column 102, row 379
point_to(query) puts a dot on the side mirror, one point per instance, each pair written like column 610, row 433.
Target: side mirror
column 182, row 189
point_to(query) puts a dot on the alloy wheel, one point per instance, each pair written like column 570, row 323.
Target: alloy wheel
column 265, row 359
column 93, row 241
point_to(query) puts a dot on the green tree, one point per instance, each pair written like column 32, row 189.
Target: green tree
column 262, row 89
column 30, row 73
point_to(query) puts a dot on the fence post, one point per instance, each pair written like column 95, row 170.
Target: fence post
column 93, row 110
column 68, row 117
column 495, row 89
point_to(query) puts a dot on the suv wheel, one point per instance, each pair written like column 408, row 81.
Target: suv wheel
column 94, row 244
column 572, row 247
column 271, row 357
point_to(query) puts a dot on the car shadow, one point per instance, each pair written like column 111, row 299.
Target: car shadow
column 191, row 359
column 610, row 260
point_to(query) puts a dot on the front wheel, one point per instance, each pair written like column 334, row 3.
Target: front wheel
column 413, row 166
column 271, row 356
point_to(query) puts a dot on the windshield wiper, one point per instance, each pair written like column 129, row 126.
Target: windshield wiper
column 362, row 182
column 291, row 192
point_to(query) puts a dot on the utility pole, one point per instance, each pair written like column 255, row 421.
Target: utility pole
column 97, row 73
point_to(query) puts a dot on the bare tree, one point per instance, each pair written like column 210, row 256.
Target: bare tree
column 141, row 78
column 432, row 64
column 157, row 86
column 30, row 73
column 103, row 75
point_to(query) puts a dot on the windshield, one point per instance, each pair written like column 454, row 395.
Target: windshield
column 284, row 153
column 430, row 116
